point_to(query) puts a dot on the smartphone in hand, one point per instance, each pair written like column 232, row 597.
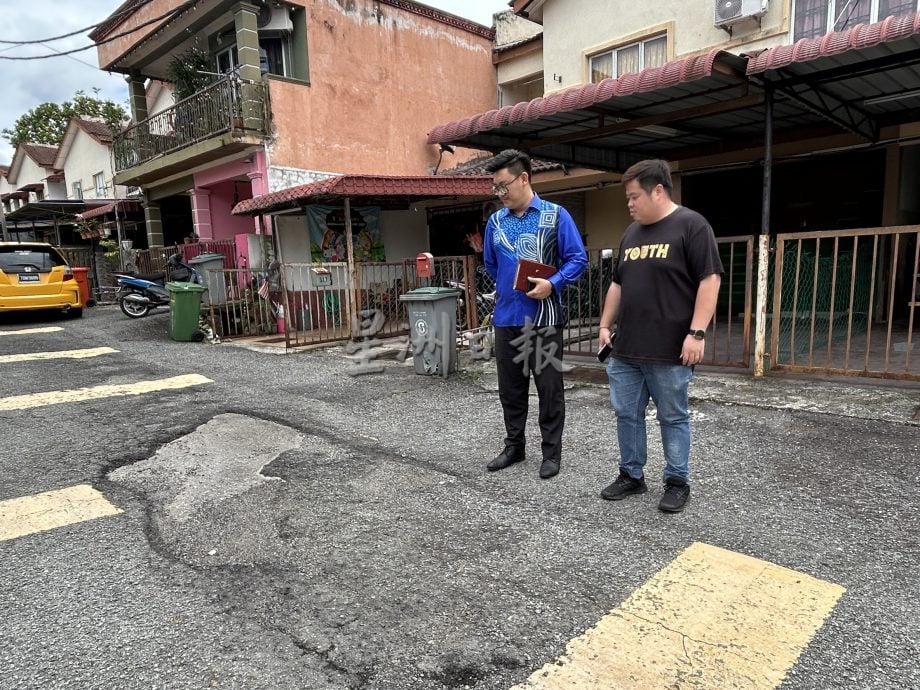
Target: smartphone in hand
column 604, row 352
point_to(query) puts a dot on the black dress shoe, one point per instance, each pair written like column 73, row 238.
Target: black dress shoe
column 549, row 468
column 507, row 457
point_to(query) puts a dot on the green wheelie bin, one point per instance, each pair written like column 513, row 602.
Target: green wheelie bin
column 184, row 306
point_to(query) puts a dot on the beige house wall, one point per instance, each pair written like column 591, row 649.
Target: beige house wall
column 30, row 172
column 86, row 158
column 576, row 29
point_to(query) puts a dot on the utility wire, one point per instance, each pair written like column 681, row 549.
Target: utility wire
column 117, row 15
column 167, row 16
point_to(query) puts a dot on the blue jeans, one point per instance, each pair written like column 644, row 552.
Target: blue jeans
column 631, row 385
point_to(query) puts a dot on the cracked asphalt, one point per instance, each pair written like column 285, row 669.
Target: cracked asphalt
column 291, row 526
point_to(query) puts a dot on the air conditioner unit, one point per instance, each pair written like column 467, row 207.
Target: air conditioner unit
column 730, row 12
column 274, row 17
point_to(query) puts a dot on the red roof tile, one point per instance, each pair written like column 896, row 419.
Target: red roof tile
column 40, row 153
column 669, row 74
column 373, row 189
column 860, row 36
column 97, row 130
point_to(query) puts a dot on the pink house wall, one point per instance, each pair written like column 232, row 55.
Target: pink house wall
column 224, row 225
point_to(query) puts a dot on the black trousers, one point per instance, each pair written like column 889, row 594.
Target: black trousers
column 520, row 351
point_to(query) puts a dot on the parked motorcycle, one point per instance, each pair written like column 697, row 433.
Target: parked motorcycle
column 485, row 302
column 138, row 294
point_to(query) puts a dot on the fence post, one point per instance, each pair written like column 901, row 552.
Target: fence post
column 760, row 320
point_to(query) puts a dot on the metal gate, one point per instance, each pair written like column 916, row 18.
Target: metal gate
column 846, row 302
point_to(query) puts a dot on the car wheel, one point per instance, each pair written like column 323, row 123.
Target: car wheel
column 75, row 313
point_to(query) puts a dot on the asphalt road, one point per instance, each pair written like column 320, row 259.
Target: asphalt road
column 287, row 525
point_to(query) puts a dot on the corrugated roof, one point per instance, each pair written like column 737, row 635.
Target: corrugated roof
column 652, row 79
column 859, row 37
column 859, row 82
column 373, row 190
column 126, row 205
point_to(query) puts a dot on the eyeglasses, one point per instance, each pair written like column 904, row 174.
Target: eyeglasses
column 502, row 188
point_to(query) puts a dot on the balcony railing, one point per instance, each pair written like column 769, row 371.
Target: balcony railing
column 229, row 105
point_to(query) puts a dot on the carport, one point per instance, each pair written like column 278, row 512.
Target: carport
column 374, row 284
column 844, row 91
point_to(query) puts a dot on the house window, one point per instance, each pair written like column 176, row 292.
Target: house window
column 814, row 18
column 228, row 61
column 273, row 55
column 99, row 183
column 633, row 57
column 77, row 190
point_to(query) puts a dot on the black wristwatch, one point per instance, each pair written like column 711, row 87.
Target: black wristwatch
column 699, row 335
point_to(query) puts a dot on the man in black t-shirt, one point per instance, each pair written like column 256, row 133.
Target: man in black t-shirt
column 661, row 300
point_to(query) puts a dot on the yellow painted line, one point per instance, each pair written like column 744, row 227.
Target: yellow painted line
column 710, row 619
column 24, row 402
column 59, row 354
column 46, row 511
column 29, row 331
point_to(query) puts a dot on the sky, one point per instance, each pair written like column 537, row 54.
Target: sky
column 28, row 83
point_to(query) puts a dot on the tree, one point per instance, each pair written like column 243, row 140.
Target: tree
column 47, row 123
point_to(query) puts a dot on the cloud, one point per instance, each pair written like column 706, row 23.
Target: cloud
column 28, row 83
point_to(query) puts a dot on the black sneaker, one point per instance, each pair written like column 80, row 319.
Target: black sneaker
column 676, row 495
column 624, row 486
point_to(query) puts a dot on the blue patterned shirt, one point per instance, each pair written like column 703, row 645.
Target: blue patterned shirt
column 545, row 233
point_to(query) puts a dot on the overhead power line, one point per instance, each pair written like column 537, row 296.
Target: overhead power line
column 117, row 15
column 167, row 15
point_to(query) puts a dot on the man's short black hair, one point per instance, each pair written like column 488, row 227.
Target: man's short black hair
column 515, row 161
column 649, row 174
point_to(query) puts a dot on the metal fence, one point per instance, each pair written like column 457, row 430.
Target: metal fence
column 243, row 303
column 230, row 104
column 845, row 302
column 154, row 260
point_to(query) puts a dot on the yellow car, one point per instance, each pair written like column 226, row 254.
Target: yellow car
column 34, row 275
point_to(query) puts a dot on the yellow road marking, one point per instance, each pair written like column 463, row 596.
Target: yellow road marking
column 46, row 511
column 28, row 331
column 24, row 402
column 60, row 354
column 709, row 619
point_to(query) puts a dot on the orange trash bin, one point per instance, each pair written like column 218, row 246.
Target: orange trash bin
column 80, row 274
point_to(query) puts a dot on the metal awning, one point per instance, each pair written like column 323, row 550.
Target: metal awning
column 386, row 191
column 857, row 81
column 66, row 210
column 616, row 122
column 126, row 206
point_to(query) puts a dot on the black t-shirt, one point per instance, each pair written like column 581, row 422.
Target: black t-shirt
column 659, row 270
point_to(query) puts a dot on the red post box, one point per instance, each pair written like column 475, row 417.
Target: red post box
column 424, row 265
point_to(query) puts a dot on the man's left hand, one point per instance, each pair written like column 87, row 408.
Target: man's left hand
column 692, row 351
column 541, row 289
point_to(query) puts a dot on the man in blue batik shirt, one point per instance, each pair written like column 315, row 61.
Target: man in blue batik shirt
column 528, row 325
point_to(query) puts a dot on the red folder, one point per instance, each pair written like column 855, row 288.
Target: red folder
column 530, row 269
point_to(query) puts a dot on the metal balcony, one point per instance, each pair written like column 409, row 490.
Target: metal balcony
column 230, row 106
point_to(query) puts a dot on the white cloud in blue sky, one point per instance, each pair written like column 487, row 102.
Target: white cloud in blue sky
column 27, row 84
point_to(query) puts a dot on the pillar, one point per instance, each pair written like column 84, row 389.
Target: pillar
column 247, row 48
column 201, row 213
column 153, row 218
column 137, row 97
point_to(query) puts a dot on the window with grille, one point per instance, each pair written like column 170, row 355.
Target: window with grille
column 814, row 18
column 632, row 57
